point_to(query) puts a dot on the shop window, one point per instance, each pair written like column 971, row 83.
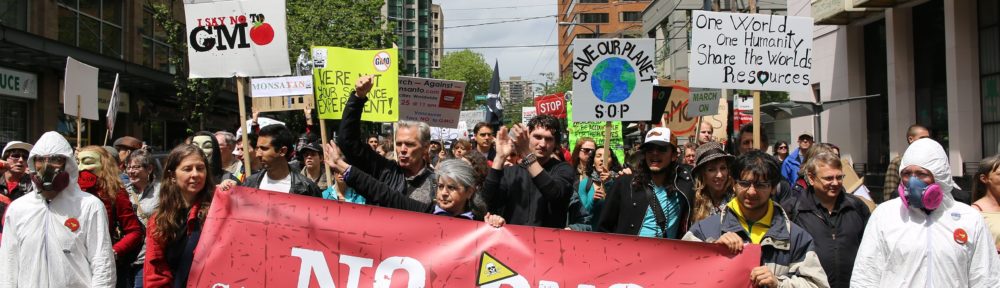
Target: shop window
column 94, row 25
column 14, row 14
column 13, row 120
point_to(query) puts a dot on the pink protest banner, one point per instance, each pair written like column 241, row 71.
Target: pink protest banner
column 255, row 238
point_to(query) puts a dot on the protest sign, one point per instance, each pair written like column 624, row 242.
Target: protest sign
column 236, row 38
column 675, row 116
column 742, row 111
column 595, row 130
column 438, row 133
column 719, row 122
column 750, row 51
column 281, row 86
column 607, row 73
column 268, row 239
column 80, row 90
column 704, row 102
column 661, row 95
column 472, row 117
column 554, row 105
column 436, row 102
column 527, row 113
column 336, row 71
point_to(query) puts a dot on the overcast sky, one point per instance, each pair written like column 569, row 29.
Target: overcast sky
column 524, row 62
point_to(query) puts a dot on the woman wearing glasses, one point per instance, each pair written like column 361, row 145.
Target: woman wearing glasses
column 144, row 193
column 781, row 151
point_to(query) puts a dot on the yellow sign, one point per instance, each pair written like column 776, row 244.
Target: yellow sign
column 336, row 71
column 491, row 270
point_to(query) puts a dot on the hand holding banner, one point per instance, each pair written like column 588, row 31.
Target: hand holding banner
column 267, row 239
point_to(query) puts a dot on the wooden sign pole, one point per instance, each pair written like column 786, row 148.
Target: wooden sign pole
column 607, row 144
column 322, row 133
column 79, row 123
column 756, row 97
column 240, row 93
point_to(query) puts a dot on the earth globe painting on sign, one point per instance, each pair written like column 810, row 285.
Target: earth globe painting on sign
column 613, row 80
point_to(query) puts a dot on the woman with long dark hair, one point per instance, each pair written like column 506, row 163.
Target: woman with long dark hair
column 781, row 150
column 986, row 194
column 185, row 195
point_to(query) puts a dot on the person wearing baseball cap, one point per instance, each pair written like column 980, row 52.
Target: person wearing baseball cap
column 13, row 165
column 656, row 200
column 312, row 163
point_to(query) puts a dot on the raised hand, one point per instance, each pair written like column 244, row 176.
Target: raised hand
column 363, row 86
column 504, row 143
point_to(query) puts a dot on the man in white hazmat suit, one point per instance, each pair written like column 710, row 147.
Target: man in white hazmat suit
column 925, row 238
column 56, row 236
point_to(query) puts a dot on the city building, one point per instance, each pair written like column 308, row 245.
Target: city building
column 438, row 45
column 117, row 37
column 414, row 25
column 596, row 19
column 936, row 63
column 516, row 90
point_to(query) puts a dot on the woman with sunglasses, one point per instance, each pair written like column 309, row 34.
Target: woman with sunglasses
column 781, row 150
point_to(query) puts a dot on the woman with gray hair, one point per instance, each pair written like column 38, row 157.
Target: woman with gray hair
column 456, row 182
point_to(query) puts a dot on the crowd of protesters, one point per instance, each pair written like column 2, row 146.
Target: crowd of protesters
column 110, row 217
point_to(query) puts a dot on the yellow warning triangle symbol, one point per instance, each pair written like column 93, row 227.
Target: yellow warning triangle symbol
column 491, row 270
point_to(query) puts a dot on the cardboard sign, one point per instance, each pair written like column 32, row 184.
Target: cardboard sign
column 750, row 51
column 704, row 103
column 719, row 122
column 268, row 239
column 554, row 105
column 527, row 113
column 472, row 117
column 595, row 130
column 435, row 102
column 281, row 86
column 675, row 116
column 612, row 79
column 336, row 71
column 236, row 38
column 81, row 80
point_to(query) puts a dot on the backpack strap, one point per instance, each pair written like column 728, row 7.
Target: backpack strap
column 654, row 204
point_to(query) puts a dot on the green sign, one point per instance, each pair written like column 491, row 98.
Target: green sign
column 595, row 130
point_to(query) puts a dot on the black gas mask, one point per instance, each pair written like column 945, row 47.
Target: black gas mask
column 53, row 176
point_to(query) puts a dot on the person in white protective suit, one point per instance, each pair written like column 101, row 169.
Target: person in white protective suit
column 56, row 236
column 925, row 238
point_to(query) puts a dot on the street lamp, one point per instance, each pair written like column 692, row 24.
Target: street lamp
column 597, row 33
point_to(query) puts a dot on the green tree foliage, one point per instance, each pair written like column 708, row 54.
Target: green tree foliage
column 766, row 96
column 470, row 67
column 561, row 86
column 355, row 24
column 195, row 96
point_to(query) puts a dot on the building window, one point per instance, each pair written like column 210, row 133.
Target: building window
column 14, row 14
column 94, row 25
column 929, row 76
column 155, row 50
column 631, row 16
column 435, row 39
column 13, row 120
column 593, row 17
column 593, row 1
column 989, row 73
column 411, row 13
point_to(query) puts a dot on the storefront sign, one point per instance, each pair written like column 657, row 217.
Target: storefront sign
column 18, row 84
column 268, row 239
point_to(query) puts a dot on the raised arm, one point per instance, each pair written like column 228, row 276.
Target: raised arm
column 349, row 138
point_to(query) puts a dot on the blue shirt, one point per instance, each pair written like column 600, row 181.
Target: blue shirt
column 352, row 197
column 672, row 206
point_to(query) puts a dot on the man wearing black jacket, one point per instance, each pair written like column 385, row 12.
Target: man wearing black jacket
column 628, row 209
column 536, row 191
column 410, row 174
column 274, row 149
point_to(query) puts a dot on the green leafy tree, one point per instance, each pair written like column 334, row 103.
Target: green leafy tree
column 195, row 96
column 470, row 67
column 560, row 86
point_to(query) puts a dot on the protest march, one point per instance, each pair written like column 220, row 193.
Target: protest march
column 342, row 144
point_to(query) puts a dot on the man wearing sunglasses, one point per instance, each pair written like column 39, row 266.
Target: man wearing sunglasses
column 656, row 201
column 16, row 181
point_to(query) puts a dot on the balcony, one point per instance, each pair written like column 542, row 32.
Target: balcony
column 879, row 3
column 838, row 12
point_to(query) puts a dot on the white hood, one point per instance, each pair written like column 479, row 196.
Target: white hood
column 930, row 155
column 51, row 143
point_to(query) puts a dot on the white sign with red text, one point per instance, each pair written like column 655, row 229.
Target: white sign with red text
column 435, row 102
column 236, row 38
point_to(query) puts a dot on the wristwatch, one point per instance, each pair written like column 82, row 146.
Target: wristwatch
column 527, row 160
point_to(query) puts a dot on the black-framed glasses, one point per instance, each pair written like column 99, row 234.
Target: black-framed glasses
column 759, row 185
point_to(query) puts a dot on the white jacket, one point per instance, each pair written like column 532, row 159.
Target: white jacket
column 38, row 249
column 906, row 247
